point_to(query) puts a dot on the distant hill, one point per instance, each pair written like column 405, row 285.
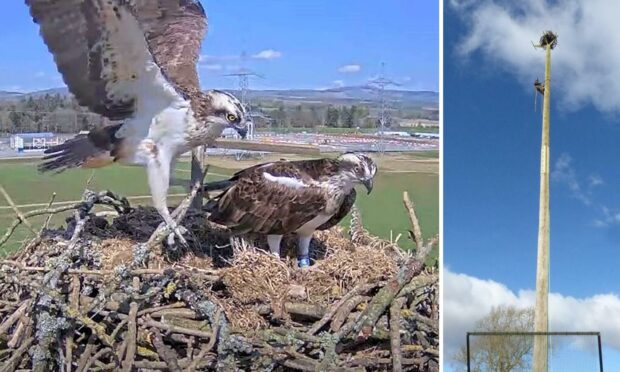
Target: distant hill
column 4, row 95
column 345, row 95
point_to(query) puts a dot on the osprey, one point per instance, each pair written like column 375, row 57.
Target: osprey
column 134, row 61
column 290, row 197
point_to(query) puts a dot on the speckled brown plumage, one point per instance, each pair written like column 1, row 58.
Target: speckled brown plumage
column 78, row 32
column 174, row 31
column 250, row 204
column 344, row 210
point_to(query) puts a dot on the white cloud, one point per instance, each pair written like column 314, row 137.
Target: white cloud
column 212, row 66
column 595, row 180
column 467, row 299
column 586, row 63
column 350, row 69
column 267, row 54
column 338, row 83
column 582, row 189
column 40, row 74
column 608, row 218
column 206, row 58
column 563, row 172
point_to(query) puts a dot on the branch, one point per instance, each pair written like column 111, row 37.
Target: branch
column 397, row 364
column 380, row 302
column 416, row 233
column 19, row 214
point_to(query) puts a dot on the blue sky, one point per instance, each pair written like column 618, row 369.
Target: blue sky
column 304, row 44
column 492, row 164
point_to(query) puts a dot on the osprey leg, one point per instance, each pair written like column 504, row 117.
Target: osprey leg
column 158, row 170
column 274, row 244
column 303, row 250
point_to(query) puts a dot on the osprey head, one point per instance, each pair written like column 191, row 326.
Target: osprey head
column 360, row 168
column 227, row 112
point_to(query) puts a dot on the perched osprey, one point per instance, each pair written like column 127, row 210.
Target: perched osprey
column 135, row 61
column 540, row 87
column 290, row 197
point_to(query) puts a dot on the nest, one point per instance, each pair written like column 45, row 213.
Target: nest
column 549, row 38
column 106, row 294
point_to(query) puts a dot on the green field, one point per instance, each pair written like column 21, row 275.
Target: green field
column 382, row 211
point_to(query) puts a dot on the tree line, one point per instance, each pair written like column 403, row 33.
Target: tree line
column 46, row 113
column 315, row 115
column 62, row 114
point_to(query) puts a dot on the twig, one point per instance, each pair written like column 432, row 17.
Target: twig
column 19, row 214
column 159, row 308
column 341, row 316
column 4, row 327
column 22, row 326
column 397, row 365
column 164, row 351
column 416, row 233
column 90, row 199
column 49, row 217
column 174, row 329
column 378, row 304
column 96, row 357
column 11, row 364
column 130, row 337
column 88, row 350
column 360, row 289
column 19, row 266
column 208, row 347
column 74, row 304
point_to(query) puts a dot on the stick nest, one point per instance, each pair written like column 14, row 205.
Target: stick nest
column 103, row 294
column 549, row 38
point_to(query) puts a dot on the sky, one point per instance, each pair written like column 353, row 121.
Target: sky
column 294, row 44
column 492, row 136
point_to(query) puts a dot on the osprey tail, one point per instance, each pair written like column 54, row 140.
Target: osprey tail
column 93, row 150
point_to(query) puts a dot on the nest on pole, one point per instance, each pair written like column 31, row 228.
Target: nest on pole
column 548, row 38
column 104, row 294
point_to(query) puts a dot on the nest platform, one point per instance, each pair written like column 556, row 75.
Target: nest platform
column 107, row 294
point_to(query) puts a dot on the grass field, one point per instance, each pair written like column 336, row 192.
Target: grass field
column 382, row 211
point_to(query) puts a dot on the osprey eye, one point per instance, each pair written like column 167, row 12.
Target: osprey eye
column 232, row 118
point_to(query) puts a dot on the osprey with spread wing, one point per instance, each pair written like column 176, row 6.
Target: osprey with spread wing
column 290, row 197
column 135, row 61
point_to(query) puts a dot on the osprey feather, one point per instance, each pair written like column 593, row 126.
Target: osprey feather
column 290, row 197
column 135, row 61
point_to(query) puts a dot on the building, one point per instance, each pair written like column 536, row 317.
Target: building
column 33, row 141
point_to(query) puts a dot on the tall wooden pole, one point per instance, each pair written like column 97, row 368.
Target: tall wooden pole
column 541, row 315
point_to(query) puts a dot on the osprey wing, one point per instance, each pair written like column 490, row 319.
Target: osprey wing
column 103, row 56
column 274, row 199
column 345, row 208
column 174, row 30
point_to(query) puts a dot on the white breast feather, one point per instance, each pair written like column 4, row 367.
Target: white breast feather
column 161, row 112
column 286, row 181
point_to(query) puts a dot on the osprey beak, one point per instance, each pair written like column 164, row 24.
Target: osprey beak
column 242, row 130
column 368, row 183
